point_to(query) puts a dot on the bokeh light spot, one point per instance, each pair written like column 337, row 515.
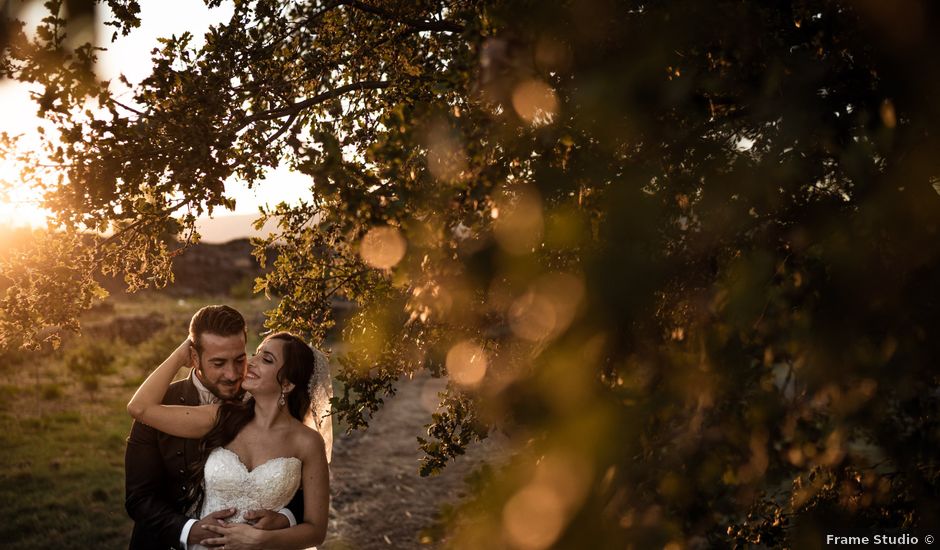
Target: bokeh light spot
column 569, row 475
column 446, row 157
column 534, row 517
column 383, row 247
column 535, row 102
column 548, row 308
column 888, row 116
column 532, row 317
column 466, row 364
column 520, row 223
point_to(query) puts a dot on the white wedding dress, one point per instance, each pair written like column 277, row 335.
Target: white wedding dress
column 229, row 484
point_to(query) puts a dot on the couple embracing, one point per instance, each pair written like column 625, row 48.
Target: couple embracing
column 231, row 457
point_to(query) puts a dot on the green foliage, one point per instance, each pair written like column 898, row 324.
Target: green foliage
column 451, row 431
column 90, row 358
column 369, row 391
column 47, row 286
column 148, row 355
column 683, row 254
column 88, row 361
column 243, row 289
column 50, row 392
column 7, row 392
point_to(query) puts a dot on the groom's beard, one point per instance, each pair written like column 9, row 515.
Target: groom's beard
column 223, row 389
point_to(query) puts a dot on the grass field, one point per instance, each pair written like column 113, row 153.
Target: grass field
column 63, row 486
column 63, row 424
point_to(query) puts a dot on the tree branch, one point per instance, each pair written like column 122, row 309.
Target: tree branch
column 342, row 283
column 142, row 221
column 301, row 23
column 419, row 24
column 127, row 107
column 319, row 98
column 290, row 120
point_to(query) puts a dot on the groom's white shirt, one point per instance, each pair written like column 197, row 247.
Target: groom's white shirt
column 206, row 397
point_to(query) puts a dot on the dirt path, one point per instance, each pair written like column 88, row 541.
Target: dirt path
column 378, row 498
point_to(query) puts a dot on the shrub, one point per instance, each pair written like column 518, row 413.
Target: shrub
column 244, row 289
column 153, row 351
column 89, row 382
column 90, row 358
column 50, row 392
column 7, row 392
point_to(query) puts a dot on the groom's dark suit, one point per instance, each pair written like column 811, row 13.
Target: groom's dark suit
column 156, row 472
column 156, row 468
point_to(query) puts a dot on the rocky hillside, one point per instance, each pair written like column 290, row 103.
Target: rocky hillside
column 215, row 269
column 209, row 270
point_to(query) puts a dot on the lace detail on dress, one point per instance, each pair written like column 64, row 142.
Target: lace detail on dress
column 229, row 484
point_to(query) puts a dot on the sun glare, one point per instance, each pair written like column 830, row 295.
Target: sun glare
column 20, row 205
column 19, row 211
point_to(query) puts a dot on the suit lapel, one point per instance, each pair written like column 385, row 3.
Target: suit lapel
column 190, row 395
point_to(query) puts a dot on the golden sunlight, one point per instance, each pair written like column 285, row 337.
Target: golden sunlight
column 20, row 205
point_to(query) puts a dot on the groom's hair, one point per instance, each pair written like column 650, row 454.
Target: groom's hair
column 220, row 320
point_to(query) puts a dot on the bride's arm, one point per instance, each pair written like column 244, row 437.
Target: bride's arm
column 316, row 483
column 315, row 479
column 181, row 421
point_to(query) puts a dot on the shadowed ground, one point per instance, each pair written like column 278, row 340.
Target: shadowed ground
column 378, row 498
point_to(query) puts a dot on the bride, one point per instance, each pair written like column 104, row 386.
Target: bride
column 255, row 453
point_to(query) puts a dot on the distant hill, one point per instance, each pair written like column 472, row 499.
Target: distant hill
column 222, row 229
column 217, row 230
column 215, row 269
column 222, row 263
column 208, row 269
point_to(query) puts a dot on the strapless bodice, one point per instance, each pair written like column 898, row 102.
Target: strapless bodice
column 229, row 484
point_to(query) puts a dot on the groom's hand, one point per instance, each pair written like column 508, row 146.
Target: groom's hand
column 237, row 536
column 267, row 520
column 199, row 532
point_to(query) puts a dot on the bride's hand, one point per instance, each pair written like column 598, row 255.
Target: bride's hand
column 181, row 354
column 147, row 406
column 267, row 519
column 235, row 536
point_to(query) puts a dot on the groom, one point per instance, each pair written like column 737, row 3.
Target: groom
column 157, row 465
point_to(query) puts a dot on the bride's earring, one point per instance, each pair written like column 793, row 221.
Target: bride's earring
column 281, row 402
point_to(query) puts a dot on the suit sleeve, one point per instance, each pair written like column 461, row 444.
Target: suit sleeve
column 144, row 479
column 296, row 506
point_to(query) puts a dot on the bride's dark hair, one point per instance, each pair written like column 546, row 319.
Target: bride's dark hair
column 298, row 368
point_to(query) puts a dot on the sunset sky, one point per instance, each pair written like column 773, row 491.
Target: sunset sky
column 130, row 56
